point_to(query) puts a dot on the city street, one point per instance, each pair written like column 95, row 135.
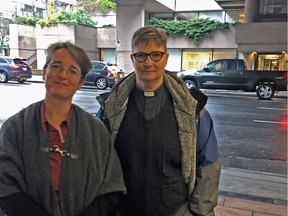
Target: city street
column 252, row 133
column 249, row 130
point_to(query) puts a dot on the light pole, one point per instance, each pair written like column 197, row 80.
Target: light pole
column 1, row 33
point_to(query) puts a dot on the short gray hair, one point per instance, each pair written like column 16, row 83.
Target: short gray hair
column 147, row 34
column 77, row 52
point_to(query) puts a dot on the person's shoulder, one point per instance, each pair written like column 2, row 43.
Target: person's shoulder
column 29, row 110
column 199, row 96
column 79, row 111
column 22, row 115
column 84, row 115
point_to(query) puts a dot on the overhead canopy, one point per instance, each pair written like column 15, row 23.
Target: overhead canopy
column 233, row 8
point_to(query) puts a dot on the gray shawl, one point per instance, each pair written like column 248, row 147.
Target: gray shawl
column 25, row 166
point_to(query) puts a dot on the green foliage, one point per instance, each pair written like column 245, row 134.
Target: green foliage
column 102, row 5
column 108, row 26
column 87, row 5
column 194, row 29
column 69, row 18
column 28, row 21
column 106, row 5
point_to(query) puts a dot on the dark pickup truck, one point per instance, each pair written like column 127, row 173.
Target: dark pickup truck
column 231, row 74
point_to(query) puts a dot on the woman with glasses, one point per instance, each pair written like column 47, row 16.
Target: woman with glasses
column 57, row 159
column 163, row 135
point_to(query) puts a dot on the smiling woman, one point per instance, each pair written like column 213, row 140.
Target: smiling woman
column 53, row 136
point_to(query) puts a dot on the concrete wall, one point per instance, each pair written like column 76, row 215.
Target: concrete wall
column 168, row 3
column 262, row 37
column 47, row 35
column 87, row 38
column 25, row 40
column 22, row 40
column 106, row 37
column 129, row 18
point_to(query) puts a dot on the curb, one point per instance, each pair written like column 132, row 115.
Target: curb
column 278, row 94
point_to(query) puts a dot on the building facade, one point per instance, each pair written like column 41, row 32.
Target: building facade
column 260, row 35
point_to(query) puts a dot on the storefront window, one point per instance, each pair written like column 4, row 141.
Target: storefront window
column 197, row 58
column 271, row 62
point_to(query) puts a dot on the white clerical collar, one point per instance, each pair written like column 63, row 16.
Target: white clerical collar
column 149, row 93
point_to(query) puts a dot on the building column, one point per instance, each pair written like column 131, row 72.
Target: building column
column 130, row 16
column 251, row 13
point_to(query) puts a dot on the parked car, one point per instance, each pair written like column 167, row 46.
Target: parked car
column 231, row 74
column 103, row 75
column 14, row 68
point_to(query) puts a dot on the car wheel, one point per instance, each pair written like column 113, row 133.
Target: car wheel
column 101, row 83
column 190, row 84
column 3, row 77
column 22, row 81
column 265, row 91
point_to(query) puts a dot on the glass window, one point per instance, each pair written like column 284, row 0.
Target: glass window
column 271, row 62
column 195, row 58
column 190, row 15
column 214, row 15
column 2, row 60
column 215, row 65
column 20, row 61
column 165, row 16
column 217, row 15
column 231, row 65
column 273, row 7
column 97, row 65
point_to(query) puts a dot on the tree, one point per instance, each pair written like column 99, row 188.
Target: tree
column 101, row 5
column 4, row 30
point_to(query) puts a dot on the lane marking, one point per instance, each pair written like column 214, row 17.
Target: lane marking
column 270, row 108
column 272, row 122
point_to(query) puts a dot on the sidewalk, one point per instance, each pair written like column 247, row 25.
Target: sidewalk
column 246, row 192
column 251, row 193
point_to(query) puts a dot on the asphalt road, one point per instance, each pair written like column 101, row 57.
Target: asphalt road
column 249, row 131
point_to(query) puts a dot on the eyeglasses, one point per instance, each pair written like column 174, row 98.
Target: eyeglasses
column 58, row 67
column 154, row 56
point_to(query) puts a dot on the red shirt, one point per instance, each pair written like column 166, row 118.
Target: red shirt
column 55, row 139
